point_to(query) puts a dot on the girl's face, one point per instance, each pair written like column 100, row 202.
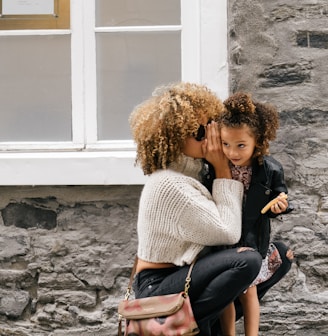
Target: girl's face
column 238, row 144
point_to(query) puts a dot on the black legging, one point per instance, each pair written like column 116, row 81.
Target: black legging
column 217, row 279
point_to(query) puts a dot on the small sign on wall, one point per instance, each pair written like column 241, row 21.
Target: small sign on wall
column 28, row 7
column 34, row 14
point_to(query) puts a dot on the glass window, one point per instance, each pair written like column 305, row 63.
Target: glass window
column 129, row 66
column 131, row 62
column 69, row 81
column 35, row 88
column 113, row 13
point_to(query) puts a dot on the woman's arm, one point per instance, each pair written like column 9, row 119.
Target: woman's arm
column 211, row 220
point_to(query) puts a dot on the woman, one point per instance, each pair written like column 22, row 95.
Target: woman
column 178, row 217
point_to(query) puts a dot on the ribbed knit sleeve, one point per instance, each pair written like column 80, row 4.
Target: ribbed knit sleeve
column 178, row 217
column 215, row 222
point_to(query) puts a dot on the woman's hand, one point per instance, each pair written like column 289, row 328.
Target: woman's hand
column 213, row 153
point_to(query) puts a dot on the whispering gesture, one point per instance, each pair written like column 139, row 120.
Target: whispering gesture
column 213, row 152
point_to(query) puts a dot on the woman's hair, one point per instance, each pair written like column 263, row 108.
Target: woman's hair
column 262, row 119
column 161, row 124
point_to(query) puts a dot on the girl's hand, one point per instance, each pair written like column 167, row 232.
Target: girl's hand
column 281, row 205
column 213, row 152
column 277, row 205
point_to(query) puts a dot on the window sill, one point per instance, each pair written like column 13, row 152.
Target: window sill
column 70, row 168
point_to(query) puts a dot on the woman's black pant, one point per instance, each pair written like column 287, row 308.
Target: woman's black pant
column 216, row 280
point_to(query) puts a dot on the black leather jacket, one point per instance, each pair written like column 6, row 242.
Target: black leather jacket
column 267, row 183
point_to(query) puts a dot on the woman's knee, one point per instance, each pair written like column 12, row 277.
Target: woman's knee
column 252, row 261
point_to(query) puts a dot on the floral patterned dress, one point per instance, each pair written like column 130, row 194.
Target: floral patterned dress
column 272, row 261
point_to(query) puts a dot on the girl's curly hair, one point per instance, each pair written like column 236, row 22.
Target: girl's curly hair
column 161, row 124
column 262, row 119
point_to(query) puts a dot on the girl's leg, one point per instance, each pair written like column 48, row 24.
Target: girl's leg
column 284, row 268
column 251, row 310
column 263, row 287
column 228, row 320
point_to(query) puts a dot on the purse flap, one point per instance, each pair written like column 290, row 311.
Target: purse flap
column 154, row 306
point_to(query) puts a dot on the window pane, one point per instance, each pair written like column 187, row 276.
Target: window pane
column 35, row 88
column 130, row 65
column 137, row 12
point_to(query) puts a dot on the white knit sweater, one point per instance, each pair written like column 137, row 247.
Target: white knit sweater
column 178, row 216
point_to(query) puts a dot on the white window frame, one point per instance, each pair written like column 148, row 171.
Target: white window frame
column 204, row 60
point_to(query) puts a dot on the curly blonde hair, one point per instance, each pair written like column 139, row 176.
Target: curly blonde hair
column 262, row 119
column 161, row 124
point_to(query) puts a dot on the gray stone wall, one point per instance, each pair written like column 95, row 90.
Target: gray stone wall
column 65, row 256
column 279, row 52
column 66, row 252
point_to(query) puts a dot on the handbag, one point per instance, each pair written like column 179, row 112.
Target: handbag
column 157, row 315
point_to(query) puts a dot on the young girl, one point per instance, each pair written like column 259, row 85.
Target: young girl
column 246, row 129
